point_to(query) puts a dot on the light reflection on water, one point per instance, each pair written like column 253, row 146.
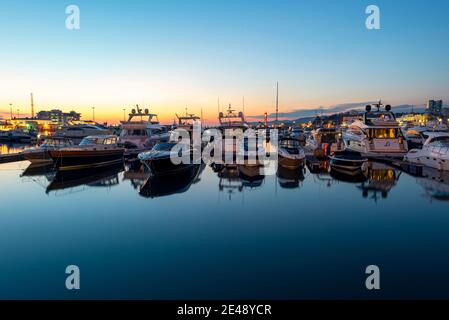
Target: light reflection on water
column 8, row 148
column 223, row 232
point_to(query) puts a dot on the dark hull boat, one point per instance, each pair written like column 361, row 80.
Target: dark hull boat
column 159, row 160
column 83, row 159
column 347, row 162
column 93, row 152
column 38, row 157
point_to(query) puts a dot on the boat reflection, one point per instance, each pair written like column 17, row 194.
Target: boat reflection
column 171, row 183
column 104, row 177
column 136, row 173
column 290, row 179
column 435, row 184
column 229, row 179
column 380, row 178
column 34, row 170
column 349, row 178
column 320, row 171
column 251, row 176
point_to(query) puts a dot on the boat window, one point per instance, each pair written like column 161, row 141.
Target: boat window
column 109, row 141
column 138, row 132
column 88, row 141
column 381, row 133
column 290, row 144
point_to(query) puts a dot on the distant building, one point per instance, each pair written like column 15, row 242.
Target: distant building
column 434, row 107
column 58, row 116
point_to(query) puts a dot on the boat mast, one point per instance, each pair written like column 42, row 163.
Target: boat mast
column 277, row 102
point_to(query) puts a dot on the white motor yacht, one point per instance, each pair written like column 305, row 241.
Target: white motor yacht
column 142, row 131
column 434, row 153
column 378, row 135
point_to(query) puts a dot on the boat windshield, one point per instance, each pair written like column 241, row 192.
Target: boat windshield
column 329, row 137
column 133, row 132
column 440, row 142
column 56, row 142
column 290, row 144
column 383, row 133
column 164, row 146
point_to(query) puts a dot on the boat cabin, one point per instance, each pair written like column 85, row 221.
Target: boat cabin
column 99, row 140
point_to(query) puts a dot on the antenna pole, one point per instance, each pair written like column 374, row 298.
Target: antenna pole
column 277, row 101
column 243, row 104
column 32, row 106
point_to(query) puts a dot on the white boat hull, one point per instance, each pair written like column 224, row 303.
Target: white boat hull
column 429, row 159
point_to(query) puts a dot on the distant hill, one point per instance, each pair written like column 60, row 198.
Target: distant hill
column 305, row 115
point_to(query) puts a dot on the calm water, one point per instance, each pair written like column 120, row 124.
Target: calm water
column 211, row 234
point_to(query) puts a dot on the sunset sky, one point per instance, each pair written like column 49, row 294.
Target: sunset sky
column 170, row 54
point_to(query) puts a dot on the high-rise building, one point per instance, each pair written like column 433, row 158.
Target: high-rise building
column 435, row 107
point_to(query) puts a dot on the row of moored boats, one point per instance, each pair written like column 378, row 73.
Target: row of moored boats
column 377, row 135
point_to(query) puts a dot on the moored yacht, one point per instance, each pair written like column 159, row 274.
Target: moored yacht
column 159, row 160
column 323, row 142
column 377, row 135
column 189, row 123
column 41, row 155
column 92, row 152
column 290, row 153
column 142, row 131
column 80, row 131
column 434, row 152
column 232, row 126
column 232, row 122
column 16, row 135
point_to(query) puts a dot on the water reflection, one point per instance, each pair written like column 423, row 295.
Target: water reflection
column 98, row 178
column 375, row 180
column 380, row 179
column 435, row 184
column 290, row 179
column 9, row 148
column 165, row 185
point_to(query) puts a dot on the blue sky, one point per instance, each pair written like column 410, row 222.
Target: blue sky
column 171, row 54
